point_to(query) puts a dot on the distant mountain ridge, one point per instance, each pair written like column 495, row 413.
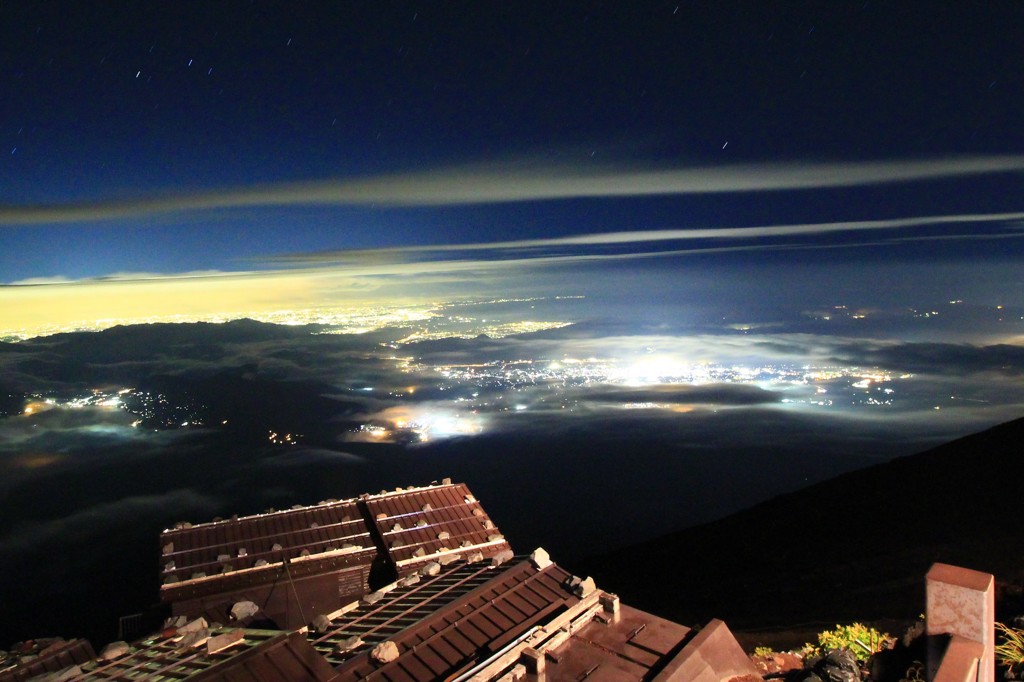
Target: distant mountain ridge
column 853, row 547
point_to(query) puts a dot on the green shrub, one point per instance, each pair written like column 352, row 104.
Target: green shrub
column 1010, row 650
column 859, row 639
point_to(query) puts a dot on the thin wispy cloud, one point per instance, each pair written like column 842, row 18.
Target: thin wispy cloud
column 625, row 238
column 505, row 184
column 417, row 261
column 130, row 277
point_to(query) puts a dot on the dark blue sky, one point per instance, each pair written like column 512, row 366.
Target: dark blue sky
column 123, row 101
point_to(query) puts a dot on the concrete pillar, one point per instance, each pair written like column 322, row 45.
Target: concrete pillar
column 962, row 602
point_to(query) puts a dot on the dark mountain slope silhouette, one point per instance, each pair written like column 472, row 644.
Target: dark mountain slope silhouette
column 853, row 547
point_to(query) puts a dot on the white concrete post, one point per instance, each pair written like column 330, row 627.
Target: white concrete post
column 962, row 602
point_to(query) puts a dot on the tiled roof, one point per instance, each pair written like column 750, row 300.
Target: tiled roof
column 419, row 524
column 474, row 626
column 327, row 562
column 525, row 619
column 265, row 540
column 298, row 563
column 633, row 646
column 459, row 606
column 402, row 607
column 54, row 657
column 254, row 656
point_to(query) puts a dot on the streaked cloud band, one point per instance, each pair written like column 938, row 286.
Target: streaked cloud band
column 505, row 184
column 621, row 238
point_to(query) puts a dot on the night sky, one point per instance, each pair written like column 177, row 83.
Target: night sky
column 131, row 102
column 731, row 247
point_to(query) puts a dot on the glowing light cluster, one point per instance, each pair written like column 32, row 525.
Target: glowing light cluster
column 283, row 438
column 94, row 398
column 151, row 409
column 421, row 424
